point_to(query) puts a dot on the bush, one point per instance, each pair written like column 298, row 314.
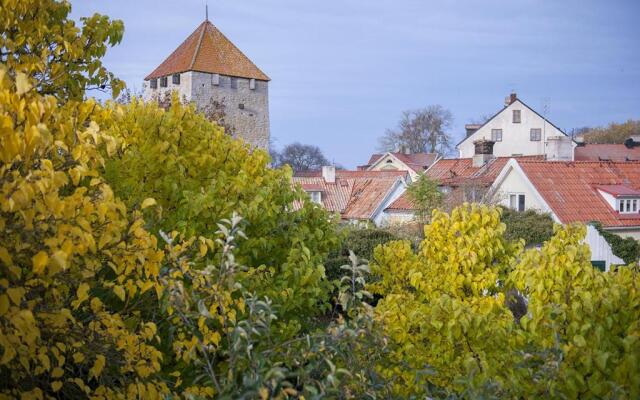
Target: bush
column 532, row 227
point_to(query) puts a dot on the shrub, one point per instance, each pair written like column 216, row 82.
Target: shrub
column 532, row 227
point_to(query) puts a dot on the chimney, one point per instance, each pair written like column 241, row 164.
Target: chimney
column 471, row 128
column 483, row 152
column 559, row 148
column 510, row 99
column 329, row 173
column 632, row 141
column 579, row 141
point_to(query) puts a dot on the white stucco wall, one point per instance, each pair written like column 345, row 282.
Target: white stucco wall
column 390, row 163
column 513, row 183
column 183, row 89
column 515, row 136
column 600, row 249
column 380, row 217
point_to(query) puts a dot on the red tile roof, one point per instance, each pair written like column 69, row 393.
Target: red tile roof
column 570, row 189
column 354, row 194
column 610, row 152
column 418, row 162
column 458, row 171
column 208, row 50
column 402, row 203
column 619, row 190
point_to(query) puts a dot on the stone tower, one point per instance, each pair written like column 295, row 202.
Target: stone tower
column 208, row 68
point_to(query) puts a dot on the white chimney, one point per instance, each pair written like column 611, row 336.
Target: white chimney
column 329, row 173
column 559, row 148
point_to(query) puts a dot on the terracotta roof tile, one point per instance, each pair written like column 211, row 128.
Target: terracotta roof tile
column 354, row 194
column 459, row 171
column 608, row 152
column 570, row 188
column 208, row 50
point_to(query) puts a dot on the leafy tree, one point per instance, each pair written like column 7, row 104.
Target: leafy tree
column 425, row 196
column 420, row 131
column 301, row 157
column 532, row 227
column 40, row 40
column 613, row 133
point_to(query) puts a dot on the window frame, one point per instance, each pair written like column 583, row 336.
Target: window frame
column 175, row 79
column 164, row 81
column 519, row 114
column 315, row 196
column 517, row 202
column 629, row 205
column 494, row 136
column 538, row 134
column 153, row 83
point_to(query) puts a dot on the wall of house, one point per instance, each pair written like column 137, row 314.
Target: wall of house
column 515, row 137
column 380, row 216
column 246, row 109
column 513, row 183
column 632, row 233
column 390, row 163
column 600, row 249
column 183, row 89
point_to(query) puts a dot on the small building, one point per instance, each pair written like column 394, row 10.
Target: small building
column 414, row 163
column 357, row 196
column 518, row 130
column 604, row 192
column 210, row 71
column 629, row 151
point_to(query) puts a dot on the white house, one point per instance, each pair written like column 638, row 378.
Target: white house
column 518, row 130
column 585, row 192
column 414, row 163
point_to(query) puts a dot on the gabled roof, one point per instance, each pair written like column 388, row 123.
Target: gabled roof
column 418, row 162
column 354, row 194
column 504, row 108
column 606, row 152
column 619, row 190
column 208, row 50
column 570, row 189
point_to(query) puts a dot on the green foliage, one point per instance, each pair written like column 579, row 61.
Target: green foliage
column 613, row 133
column 40, row 40
column 532, row 227
column 425, row 196
column 361, row 241
column 626, row 248
column 198, row 175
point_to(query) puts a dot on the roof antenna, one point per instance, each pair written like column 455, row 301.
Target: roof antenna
column 206, row 11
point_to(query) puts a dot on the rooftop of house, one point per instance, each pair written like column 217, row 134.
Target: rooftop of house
column 418, row 162
column 208, row 50
column 571, row 188
column 607, row 152
column 354, row 194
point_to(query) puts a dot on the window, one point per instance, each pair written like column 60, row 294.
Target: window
column 628, row 206
column 252, row 84
column 215, row 79
column 516, row 202
column 516, row 116
column 163, row 81
column 496, row 135
column 535, row 134
column 175, row 79
column 153, row 83
column 234, row 83
column 316, row 197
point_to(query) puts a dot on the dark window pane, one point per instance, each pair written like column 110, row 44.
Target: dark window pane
column 176, row 79
column 521, row 202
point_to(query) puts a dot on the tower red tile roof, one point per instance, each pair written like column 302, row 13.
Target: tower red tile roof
column 354, row 194
column 570, row 189
column 208, row 50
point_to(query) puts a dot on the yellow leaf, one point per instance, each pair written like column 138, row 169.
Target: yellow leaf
column 40, row 261
column 119, row 291
column 22, row 83
column 98, row 366
column 78, row 358
column 5, row 257
column 57, row 372
column 56, row 385
column 15, row 294
column 4, row 304
column 82, row 294
column 148, row 202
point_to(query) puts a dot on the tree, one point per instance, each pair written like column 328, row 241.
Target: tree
column 425, row 197
column 420, row 131
column 302, row 157
column 531, row 226
column 613, row 133
column 39, row 40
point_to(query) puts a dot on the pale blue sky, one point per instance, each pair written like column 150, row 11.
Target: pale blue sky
column 343, row 71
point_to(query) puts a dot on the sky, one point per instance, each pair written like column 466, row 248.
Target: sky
column 342, row 71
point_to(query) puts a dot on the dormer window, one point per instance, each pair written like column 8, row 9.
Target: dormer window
column 628, row 206
column 175, row 79
column 316, row 196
